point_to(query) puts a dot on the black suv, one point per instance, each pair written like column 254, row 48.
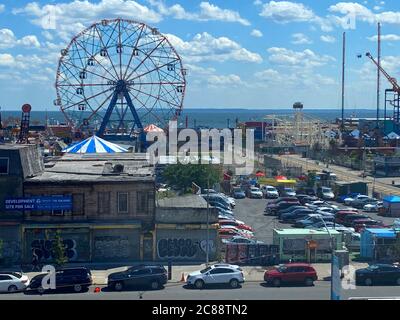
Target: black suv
column 78, row 279
column 153, row 276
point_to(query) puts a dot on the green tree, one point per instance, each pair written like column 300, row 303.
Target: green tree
column 396, row 247
column 181, row 176
column 311, row 179
column 60, row 257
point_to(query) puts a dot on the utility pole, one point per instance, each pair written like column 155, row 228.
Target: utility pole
column 378, row 84
column 343, row 76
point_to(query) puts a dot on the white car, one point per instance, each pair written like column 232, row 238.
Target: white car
column 216, row 274
column 373, row 207
column 270, row 192
column 327, row 193
column 349, row 201
column 255, row 192
column 13, row 282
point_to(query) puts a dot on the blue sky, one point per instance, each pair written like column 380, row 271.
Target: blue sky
column 239, row 53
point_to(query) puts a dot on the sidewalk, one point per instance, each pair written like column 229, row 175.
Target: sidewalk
column 251, row 273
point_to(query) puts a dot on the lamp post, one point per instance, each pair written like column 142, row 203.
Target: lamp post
column 332, row 256
column 208, row 222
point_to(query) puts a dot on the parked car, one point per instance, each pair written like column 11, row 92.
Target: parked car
column 77, row 279
column 361, row 224
column 288, row 192
column 219, row 205
column 307, row 199
column 235, row 224
column 341, row 215
column 241, row 240
column 228, row 233
column 348, row 201
column 292, row 273
column 373, row 207
column 326, row 193
column 13, row 281
column 270, row 192
column 360, row 203
column 242, row 232
column 311, row 219
column 217, row 198
column 309, row 191
column 152, row 276
column 331, row 226
column 290, row 209
column 238, row 193
column 254, row 193
column 378, row 274
column 350, row 195
column 228, row 274
column 295, row 215
column 349, row 219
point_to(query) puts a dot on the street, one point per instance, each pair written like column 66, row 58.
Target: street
column 249, row 291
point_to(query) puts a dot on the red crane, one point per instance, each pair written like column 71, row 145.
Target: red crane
column 393, row 81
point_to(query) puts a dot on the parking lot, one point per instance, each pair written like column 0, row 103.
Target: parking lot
column 251, row 211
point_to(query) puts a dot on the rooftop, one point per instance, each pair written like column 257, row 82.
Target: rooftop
column 95, row 168
column 187, row 201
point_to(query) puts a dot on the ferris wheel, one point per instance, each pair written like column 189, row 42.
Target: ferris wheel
column 117, row 76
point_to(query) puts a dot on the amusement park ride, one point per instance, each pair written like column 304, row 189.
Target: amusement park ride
column 118, row 76
column 392, row 96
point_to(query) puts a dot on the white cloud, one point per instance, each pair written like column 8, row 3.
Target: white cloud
column 295, row 79
column 223, row 80
column 362, row 13
column 287, row 11
column 256, row 33
column 9, row 40
column 300, row 38
column 304, row 59
column 73, row 16
column 212, row 12
column 6, row 60
column 257, row 2
column 2, row 8
column 204, row 47
column 386, row 37
column 208, row 12
column 328, row 39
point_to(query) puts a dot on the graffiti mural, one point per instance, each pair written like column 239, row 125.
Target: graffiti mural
column 12, row 250
column 112, row 247
column 183, row 248
column 44, row 249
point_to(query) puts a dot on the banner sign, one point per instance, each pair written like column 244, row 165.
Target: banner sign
column 39, row 203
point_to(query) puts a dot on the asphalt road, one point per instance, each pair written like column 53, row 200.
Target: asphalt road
column 249, row 291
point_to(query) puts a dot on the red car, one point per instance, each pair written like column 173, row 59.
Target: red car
column 235, row 224
column 228, row 233
column 361, row 224
column 292, row 273
column 341, row 215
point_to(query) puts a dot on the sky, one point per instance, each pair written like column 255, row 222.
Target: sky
column 239, row 53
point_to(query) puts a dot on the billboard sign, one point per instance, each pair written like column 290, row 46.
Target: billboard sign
column 39, row 203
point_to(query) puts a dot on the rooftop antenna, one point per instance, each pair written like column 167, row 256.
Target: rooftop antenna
column 343, row 76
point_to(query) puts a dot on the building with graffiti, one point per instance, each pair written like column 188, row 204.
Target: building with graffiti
column 181, row 229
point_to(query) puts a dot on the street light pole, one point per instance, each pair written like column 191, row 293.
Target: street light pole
column 208, row 223
column 332, row 253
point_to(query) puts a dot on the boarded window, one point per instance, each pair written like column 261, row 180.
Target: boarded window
column 78, row 204
column 122, row 202
column 104, row 199
column 3, row 165
column 142, row 203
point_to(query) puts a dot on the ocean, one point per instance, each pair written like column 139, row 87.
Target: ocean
column 213, row 118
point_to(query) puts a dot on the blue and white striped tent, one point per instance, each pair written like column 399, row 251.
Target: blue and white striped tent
column 94, row 144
